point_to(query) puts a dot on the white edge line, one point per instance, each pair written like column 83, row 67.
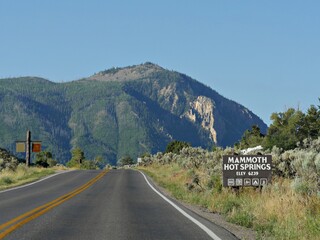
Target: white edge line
column 195, row 221
column 29, row 184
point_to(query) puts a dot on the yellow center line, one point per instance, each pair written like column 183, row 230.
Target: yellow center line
column 46, row 205
column 28, row 216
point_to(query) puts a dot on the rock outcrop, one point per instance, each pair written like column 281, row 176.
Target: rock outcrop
column 202, row 111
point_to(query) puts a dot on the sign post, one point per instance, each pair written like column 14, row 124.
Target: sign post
column 25, row 146
column 246, row 170
column 28, row 148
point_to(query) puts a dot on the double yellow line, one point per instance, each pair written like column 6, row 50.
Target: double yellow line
column 19, row 221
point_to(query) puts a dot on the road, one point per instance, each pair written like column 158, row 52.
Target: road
column 119, row 204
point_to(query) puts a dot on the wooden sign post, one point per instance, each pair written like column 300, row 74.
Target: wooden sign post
column 25, row 146
column 28, row 148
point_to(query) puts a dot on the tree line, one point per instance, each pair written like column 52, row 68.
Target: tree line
column 287, row 130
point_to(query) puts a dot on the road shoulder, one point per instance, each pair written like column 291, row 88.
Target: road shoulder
column 215, row 218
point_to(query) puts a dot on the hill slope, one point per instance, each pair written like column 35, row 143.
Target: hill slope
column 119, row 111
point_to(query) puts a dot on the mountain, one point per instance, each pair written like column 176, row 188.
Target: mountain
column 118, row 112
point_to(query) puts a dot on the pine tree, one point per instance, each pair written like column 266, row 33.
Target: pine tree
column 311, row 126
column 251, row 138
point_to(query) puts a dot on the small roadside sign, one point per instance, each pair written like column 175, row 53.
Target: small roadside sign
column 36, row 147
column 20, row 146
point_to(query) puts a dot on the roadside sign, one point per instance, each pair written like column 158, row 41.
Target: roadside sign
column 246, row 170
column 36, row 146
column 20, row 146
column 25, row 146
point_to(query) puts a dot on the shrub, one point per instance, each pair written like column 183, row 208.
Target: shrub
column 176, row 146
column 6, row 180
column 52, row 162
column 126, row 160
column 7, row 161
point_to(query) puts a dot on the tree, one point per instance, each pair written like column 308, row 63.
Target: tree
column 77, row 158
column 311, row 126
column 251, row 138
column 88, row 165
column 99, row 162
column 286, row 129
column 44, row 159
column 126, row 160
column 176, row 146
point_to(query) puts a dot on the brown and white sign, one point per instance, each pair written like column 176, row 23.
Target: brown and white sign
column 246, row 170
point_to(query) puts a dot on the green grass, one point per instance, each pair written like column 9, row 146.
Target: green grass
column 242, row 218
column 229, row 205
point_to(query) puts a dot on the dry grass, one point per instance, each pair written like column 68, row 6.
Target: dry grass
column 276, row 212
column 23, row 175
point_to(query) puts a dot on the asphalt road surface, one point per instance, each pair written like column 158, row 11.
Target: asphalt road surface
column 119, row 204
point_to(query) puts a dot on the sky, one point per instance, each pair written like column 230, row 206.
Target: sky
column 263, row 54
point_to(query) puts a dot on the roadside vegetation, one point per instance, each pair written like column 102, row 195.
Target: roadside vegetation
column 125, row 160
column 288, row 208
column 79, row 161
column 14, row 172
column 23, row 175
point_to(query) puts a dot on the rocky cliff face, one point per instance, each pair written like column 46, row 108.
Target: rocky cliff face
column 201, row 112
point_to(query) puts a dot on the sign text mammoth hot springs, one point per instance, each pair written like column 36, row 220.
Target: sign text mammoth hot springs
column 246, row 170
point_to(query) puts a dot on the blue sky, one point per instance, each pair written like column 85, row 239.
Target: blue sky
column 263, row 54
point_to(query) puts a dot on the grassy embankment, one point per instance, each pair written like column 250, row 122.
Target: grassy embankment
column 277, row 212
column 23, row 175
